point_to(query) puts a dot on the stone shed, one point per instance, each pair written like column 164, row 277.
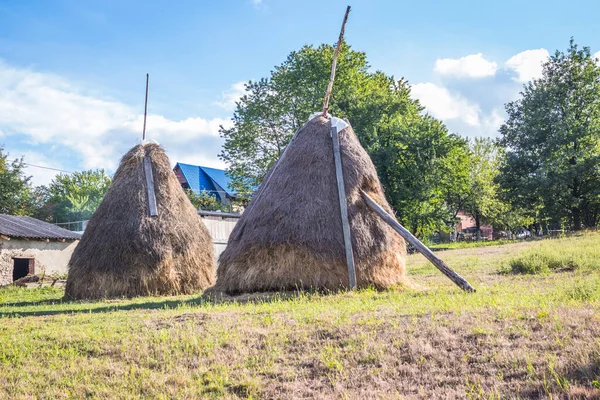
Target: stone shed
column 32, row 247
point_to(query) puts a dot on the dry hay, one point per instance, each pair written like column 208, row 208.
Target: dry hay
column 290, row 237
column 125, row 253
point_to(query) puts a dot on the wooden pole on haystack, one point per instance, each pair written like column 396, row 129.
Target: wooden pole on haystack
column 334, row 64
column 145, row 107
column 337, row 158
column 454, row 277
column 152, row 208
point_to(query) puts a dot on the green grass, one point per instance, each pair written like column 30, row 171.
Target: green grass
column 469, row 244
column 574, row 253
column 519, row 335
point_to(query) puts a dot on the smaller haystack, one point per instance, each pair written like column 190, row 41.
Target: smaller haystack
column 291, row 236
column 124, row 252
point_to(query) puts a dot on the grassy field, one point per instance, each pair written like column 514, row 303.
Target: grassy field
column 532, row 330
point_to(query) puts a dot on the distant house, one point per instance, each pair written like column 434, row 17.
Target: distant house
column 468, row 227
column 212, row 180
column 32, row 247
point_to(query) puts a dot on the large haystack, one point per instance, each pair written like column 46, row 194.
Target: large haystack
column 291, row 234
column 124, row 252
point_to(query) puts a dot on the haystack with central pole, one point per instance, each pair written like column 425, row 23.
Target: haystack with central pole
column 145, row 238
column 320, row 219
column 126, row 252
column 291, row 234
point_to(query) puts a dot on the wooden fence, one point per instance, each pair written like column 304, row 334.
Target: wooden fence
column 219, row 225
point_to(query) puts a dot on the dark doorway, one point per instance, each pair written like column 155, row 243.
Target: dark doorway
column 22, row 267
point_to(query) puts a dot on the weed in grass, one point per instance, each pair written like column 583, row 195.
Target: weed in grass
column 330, row 358
column 583, row 290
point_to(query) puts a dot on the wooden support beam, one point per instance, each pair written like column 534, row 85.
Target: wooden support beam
column 454, row 277
column 339, row 174
column 152, row 210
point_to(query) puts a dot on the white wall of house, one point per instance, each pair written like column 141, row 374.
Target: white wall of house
column 51, row 258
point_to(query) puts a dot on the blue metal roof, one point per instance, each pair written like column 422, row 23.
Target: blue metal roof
column 210, row 179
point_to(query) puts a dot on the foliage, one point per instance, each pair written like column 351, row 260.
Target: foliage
column 206, row 201
column 423, row 171
column 552, row 136
column 421, row 166
column 15, row 187
column 483, row 202
column 483, row 199
column 76, row 196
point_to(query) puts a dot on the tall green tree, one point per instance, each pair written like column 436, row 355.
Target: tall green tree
column 75, row 197
column 15, row 187
column 414, row 153
column 552, row 136
column 483, row 200
column 424, row 171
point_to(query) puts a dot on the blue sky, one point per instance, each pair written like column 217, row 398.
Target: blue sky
column 72, row 72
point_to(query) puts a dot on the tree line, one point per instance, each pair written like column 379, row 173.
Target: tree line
column 542, row 169
column 69, row 197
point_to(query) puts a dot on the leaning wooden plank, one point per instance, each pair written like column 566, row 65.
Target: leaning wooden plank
column 454, row 277
column 152, row 210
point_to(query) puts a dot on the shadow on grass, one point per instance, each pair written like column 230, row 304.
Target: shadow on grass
column 580, row 382
column 105, row 306
column 586, row 374
column 35, row 303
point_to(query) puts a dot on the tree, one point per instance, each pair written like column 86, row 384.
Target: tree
column 15, row 186
column 76, row 196
column 405, row 145
column 424, row 172
column 552, row 136
column 483, row 201
column 205, row 201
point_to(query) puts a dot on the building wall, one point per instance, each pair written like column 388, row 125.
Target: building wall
column 51, row 258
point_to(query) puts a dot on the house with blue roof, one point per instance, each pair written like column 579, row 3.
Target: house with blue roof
column 212, row 180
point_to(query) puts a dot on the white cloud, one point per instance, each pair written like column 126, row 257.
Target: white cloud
column 43, row 109
column 231, row 96
column 471, row 66
column 258, row 4
column 527, row 64
column 596, row 56
column 444, row 105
